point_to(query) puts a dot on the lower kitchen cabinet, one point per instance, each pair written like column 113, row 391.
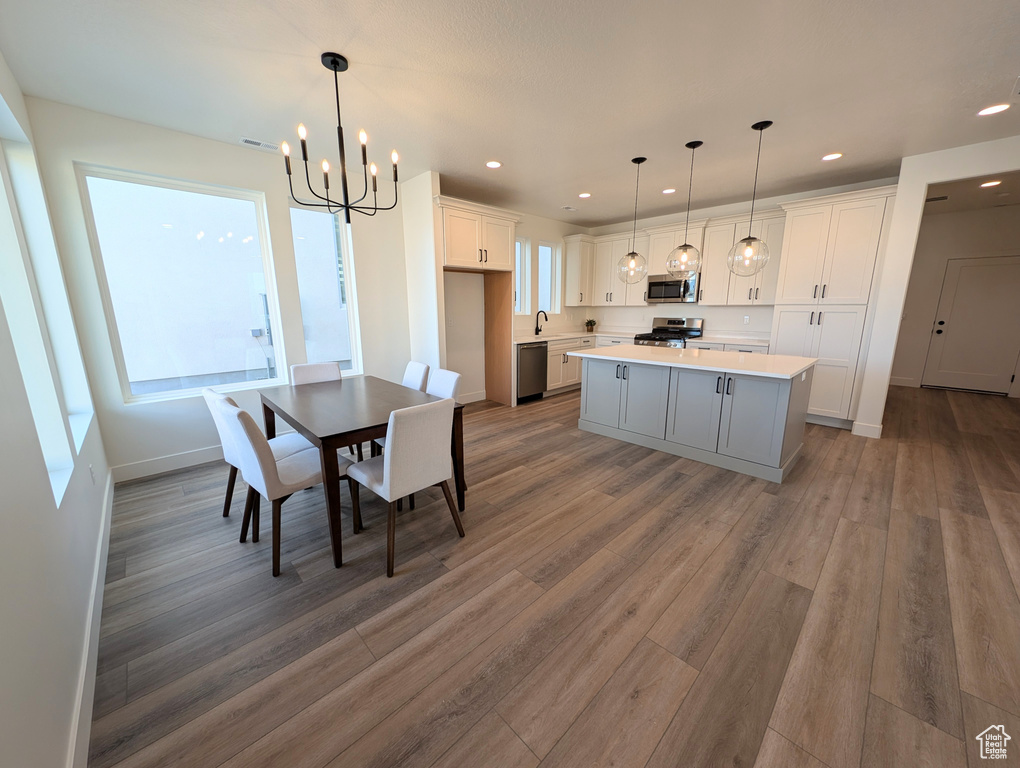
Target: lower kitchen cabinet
column 832, row 334
column 728, row 413
column 564, row 370
column 625, row 396
column 695, row 403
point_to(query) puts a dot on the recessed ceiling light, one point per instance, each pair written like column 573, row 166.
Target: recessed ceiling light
column 833, row 156
column 994, row 109
column 991, row 184
column 569, row 208
column 669, row 191
column 493, row 164
column 584, row 195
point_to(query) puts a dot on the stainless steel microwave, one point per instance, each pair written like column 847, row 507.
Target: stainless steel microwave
column 666, row 289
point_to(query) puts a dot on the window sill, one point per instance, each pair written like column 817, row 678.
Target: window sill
column 184, row 394
column 80, row 423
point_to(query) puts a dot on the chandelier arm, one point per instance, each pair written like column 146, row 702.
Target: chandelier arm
column 308, row 183
column 370, row 210
column 364, row 194
column 306, row 204
column 390, row 207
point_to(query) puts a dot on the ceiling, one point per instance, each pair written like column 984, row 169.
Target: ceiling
column 564, row 93
column 969, row 195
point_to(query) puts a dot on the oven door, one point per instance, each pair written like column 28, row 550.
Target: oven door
column 663, row 289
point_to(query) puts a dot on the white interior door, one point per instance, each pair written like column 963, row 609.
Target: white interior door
column 975, row 342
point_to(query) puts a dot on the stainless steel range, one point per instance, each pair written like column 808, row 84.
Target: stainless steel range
column 671, row 332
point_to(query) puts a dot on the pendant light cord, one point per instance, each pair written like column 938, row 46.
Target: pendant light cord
column 637, row 185
column 754, row 190
column 690, row 186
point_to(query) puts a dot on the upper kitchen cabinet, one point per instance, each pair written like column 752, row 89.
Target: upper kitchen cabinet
column 608, row 289
column 477, row 237
column 662, row 241
column 580, row 271
column 718, row 285
column 830, row 248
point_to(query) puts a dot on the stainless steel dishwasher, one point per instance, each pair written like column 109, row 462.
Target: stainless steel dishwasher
column 532, row 365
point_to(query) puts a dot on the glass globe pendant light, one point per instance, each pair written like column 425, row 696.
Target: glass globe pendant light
column 750, row 255
column 633, row 267
column 685, row 260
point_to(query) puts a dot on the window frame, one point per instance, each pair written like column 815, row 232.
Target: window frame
column 523, row 282
column 85, row 170
column 555, row 277
column 345, row 245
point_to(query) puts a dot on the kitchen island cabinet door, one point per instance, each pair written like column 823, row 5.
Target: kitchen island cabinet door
column 753, row 418
column 600, row 392
column 644, row 397
column 695, row 403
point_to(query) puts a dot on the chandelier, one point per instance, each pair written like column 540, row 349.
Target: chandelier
column 338, row 64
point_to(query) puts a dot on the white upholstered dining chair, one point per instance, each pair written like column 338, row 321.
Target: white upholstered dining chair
column 272, row 478
column 281, row 447
column 415, row 375
column 416, row 456
column 444, row 383
column 312, row 373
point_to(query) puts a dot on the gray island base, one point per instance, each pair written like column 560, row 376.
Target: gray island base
column 733, row 410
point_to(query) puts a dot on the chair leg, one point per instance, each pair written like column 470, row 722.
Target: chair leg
column 255, row 517
column 277, row 504
column 249, row 502
column 360, row 455
column 373, row 449
column 410, row 501
column 453, row 507
column 391, row 529
column 231, row 479
column 400, row 505
column 354, row 488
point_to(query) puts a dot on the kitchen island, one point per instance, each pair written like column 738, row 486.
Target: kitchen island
column 734, row 410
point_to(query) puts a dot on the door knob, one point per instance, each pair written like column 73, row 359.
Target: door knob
column 942, row 322
column 939, row 331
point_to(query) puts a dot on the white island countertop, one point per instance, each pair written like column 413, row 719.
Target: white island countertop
column 772, row 366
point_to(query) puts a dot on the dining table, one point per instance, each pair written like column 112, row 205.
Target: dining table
column 355, row 409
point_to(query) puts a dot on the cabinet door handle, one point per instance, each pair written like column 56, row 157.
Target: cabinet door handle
column 823, row 289
column 812, row 320
column 819, row 318
column 729, row 385
column 617, row 370
column 625, row 371
column 749, row 293
column 814, row 293
column 479, row 255
column 718, row 385
column 756, row 294
column 486, row 255
column 610, row 295
column 582, row 296
column 645, row 296
column 701, row 292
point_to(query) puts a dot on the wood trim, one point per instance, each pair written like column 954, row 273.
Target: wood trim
column 499, row 335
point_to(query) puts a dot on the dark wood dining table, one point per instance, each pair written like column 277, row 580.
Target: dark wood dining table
column 335, row 414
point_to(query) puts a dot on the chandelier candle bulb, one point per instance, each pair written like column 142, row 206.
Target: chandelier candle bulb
column 363, row 138
column 302, row 133
column 394, row 157
column 286, row 156
column 375, row 178
column 325, row 174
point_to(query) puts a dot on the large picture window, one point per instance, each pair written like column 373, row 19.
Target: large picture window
column 185, row 282
column 324, row 286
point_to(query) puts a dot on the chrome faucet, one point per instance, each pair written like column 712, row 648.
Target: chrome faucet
column 538, row 328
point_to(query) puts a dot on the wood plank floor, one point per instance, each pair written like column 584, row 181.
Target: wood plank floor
column 610, row 605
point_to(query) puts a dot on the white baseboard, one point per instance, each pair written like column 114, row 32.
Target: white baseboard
column 867, row 430
column 828, row 421
column 160, row 464
column 81, row 724
column 903, row 381
column 470, row 397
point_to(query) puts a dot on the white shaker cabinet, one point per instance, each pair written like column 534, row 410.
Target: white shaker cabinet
column 695, row 403
column 662, row 243
column 715, row 275
column 759, row 288
column 830, row 251
column 580, row 272
column 833, row 335
column 475, row 241
column 608, row 289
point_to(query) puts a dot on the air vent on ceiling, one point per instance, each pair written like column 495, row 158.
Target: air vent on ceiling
column 266, row 146
column 937, row 199
column 569, row 208
column 1016, row 92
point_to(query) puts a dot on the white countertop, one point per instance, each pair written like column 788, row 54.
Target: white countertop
column 772, row 366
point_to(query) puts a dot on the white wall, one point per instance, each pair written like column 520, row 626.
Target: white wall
column 916, row 173
column 944, row 236
column 538, row 229
column 145, row 438
column 50, row 560
column 465, row 331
